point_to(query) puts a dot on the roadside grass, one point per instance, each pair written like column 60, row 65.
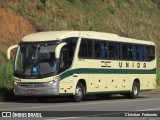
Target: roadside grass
column 135, row 19
column 6, row 81
column 158, row 71
column 158, row 76
column 157, row 89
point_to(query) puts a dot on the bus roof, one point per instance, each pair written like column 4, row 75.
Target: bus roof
column 58, row 35
column 49, row 36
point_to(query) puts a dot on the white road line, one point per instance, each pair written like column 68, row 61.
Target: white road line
column 3, row 103
column 64, row 118
column 149, row 109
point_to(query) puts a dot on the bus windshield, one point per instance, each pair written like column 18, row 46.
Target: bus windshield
column 35, row 60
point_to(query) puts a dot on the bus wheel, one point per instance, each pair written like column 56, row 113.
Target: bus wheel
column 79, row 93
column 135, row 90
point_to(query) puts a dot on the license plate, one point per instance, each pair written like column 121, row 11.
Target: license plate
column 31, row 91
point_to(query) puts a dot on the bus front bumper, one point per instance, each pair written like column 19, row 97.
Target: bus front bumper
column 36, row 89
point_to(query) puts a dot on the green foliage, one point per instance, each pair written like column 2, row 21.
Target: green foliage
column 158, row 71
column 71, row 1
column 2, row 53
column 85, row 1
column 6, row 71
column 158, row 77
column 43, row 1
column 119, row 2
column 136, row 19
column 40, row 6
column 6, row 81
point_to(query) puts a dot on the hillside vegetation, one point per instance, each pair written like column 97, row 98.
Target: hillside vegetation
column 138, row 19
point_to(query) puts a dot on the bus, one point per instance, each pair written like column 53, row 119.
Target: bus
column 78, row 63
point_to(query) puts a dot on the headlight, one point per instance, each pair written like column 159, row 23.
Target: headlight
column 51, row 82
column 15, row 83
column 45, row 84
column 48, row 83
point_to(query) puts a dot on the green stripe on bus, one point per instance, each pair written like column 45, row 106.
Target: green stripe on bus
column 106, row 71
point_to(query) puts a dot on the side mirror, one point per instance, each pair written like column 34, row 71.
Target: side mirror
column 9, row 51
column 58, row 49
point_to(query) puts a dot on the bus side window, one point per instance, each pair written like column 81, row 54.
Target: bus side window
column 97, row 52
column 141, row 52
column 130, row 52
column 103, row 50
column 89, row 48
column 83, row 49
column 135, row 52
column 64, row 59
column 124, row 51
column 149, row 53
column 118, row 51
column 67, row 53
column 111, row 51
column 146, row 53
column 100, row 49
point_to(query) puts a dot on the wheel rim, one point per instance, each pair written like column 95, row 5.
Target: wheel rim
column 78, row 92
column 135, row 90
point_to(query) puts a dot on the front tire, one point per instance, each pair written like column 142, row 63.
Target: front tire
column 79, row 93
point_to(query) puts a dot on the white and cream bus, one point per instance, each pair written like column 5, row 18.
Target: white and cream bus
column 78, row 63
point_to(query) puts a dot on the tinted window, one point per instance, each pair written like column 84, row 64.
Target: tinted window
column 149, row 53
column 135, row 52
column 124, row 51
column 118, row 51
column 90, row 48
column 141, row 52
column 111, row 47
column 130, row 52
column 71, row 46
column 65, row 61
column 100, row 49
column 85, row 50
column 67, row 53
column 138, row 52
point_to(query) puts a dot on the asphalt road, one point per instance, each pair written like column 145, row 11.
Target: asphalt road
column 117, row 103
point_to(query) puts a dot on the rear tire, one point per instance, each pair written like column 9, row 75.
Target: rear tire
column 135, row 90
column 79, row 93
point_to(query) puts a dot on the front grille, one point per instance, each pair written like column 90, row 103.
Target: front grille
column 31, row 85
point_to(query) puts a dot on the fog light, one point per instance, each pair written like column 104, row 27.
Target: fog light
column 15, row 83
column 53, row 90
